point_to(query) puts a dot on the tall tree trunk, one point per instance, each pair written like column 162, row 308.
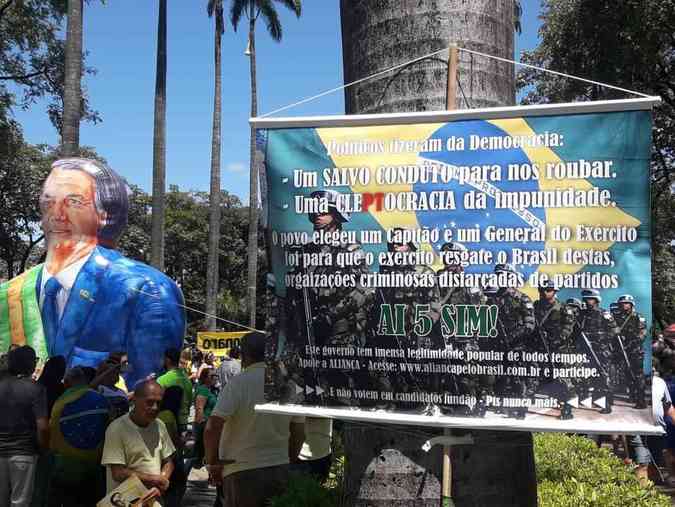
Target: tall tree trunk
column 159, row 145
column 72, row 88
column 253, row 191
column 212, row 273
column 384, row 463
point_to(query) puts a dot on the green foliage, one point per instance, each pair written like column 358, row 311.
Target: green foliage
column 32, row 58
column 306, row 492
column 22, row 170
column 187, row 213
column 573, row 472
column 629, row 44
column 269, row 13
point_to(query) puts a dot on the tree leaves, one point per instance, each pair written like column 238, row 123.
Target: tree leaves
column 630, row 44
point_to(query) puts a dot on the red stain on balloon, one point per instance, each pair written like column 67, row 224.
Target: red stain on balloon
column 67, row 252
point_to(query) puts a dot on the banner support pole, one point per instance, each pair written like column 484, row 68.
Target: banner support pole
column 450, row 102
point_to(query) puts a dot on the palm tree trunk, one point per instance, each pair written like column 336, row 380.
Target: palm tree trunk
column 159, row 145
column 72, row 89
column 212, row 273
column 384, row 462
column 253, row 190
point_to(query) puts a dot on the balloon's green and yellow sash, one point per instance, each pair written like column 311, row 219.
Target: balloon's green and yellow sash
column 20, row 319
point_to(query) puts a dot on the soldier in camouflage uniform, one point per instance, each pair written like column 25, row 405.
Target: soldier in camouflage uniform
column 515, row 325
column 633, row 329
column 554, row 330
column 327, row 316
column 410, row 297
column 600, row 328
column 464, row 385
column 575, row 306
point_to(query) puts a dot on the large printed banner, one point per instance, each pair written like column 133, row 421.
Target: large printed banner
column 476, row 268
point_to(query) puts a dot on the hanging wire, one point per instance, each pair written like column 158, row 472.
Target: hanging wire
column 199, row 311
column 461, row 89
column 472, row 52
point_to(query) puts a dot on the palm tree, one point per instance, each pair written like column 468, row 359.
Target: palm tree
column 72, row 88
column 159, row 145
column 252, row 9
column 381, row 459
column 214, row 10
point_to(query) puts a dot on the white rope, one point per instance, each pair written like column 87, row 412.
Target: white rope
column 570, row 76
column 199, row 311
column 377, row 74
column 338, row 88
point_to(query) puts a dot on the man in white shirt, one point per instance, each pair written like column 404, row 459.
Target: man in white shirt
column 138, row 444
column 316, row 455
column 248, row 452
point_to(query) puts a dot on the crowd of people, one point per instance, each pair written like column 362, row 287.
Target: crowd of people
column 69, row 437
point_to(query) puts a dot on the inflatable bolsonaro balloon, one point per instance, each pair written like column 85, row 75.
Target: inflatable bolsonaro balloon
column 87, row 300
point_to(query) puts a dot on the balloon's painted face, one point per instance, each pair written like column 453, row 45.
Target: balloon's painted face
column 69, row 214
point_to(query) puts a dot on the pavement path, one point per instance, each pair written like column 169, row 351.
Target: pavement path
column 199, row 493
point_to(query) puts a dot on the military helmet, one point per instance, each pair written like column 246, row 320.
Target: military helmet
column 626, row 298
column 574, row 302
column 490, row 290
column 411, row 244
column 332, row 197
column 548, row 284
column 453, row 246
column 591, row 294
column 506, row 268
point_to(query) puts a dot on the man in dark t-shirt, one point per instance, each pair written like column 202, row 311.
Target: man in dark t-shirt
column 24, row 428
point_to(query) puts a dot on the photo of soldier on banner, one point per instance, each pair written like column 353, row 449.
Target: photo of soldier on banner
column 483, row 266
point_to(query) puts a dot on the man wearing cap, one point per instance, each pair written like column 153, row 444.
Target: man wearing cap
column 87, row 300
column 326, row 314
column 515, row 324
column 601, row 330
column 468, row 385
column 633, row 329
column 554, row 329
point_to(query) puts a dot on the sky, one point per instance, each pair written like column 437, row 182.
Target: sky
column 120, row 38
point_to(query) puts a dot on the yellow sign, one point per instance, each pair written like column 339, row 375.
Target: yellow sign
column 218, row 342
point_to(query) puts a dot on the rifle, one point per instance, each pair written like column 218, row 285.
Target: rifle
column 543, row 337
column 309, row 325
column 625, row 357
column 587, row 342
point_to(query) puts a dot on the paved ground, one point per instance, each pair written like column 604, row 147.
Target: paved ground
column 199, row 493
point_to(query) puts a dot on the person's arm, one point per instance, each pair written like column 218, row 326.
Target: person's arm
column 671, row 412
column 121, row 473
column 200, row 403
column 41, row 414
column 42, row 425
column 167, row 469
column 214, row 427
column 295, row 440
column 98, row 379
